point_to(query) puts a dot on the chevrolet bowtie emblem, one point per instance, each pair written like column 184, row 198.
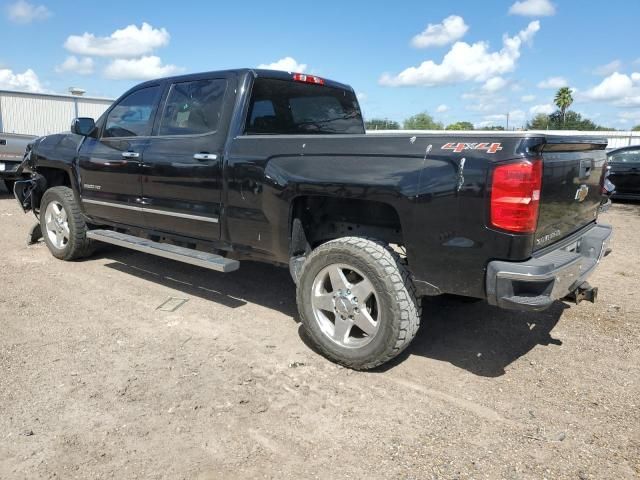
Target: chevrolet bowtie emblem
column 582, row 193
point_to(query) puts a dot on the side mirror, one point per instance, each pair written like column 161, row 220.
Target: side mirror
column 83, row 126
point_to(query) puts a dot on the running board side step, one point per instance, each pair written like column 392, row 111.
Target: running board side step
column 173, row 252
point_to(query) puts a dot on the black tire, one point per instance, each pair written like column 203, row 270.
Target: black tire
column 398, row 309
column 77, row 245
column 9, row 185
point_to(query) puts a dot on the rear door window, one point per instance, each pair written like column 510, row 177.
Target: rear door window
column 287, row 107
column 193, row 107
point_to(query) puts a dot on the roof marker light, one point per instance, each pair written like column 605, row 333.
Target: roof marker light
column 301, row 77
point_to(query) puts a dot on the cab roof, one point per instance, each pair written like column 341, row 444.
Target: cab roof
column 256, row 72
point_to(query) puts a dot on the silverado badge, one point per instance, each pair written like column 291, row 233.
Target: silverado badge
column 582, row 193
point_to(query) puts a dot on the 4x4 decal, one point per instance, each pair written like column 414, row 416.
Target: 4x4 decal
column 460, row 147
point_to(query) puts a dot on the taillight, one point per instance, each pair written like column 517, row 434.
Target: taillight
column 515, row 196
column 301, row 77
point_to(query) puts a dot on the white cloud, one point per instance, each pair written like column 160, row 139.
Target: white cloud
column 494, row 84
column 635, row 76
column 465, row 62
column 82, row 66
column 127, row 42
column 608, row 68
column 630, row 115
column 25, row 12
column 547, row 109
column 553, row 82
column 631, row 101
column 139, row 68
column 26, row 81
column 533, row 8
column 498, row 117
column 616, row 86
column 362, row 97
column 287, row 64
column 442, row 108
column 527, row 98
column 484, row 101
column 451, row 29
column 516, row 115
column 481, row 107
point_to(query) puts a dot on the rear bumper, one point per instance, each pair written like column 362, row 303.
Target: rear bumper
column 625, row 196
column 538, row 282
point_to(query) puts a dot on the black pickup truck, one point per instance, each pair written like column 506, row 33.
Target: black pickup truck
column 216, row 168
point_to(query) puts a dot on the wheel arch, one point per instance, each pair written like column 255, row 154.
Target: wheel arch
column 317, row 219
column 53, row 176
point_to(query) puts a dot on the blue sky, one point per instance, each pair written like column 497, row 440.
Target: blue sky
column 448, row 58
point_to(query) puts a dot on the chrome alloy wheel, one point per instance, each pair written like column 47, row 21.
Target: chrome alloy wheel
column 345, row 305
column 55, row 218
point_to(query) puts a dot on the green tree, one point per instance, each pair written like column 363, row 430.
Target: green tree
column 460, row 126
column 381, row 124
column 422, row 121
column 558, row 120
column 563, row 101
column 494, row 127
column 570, row 120
column 636, row 128
column 539, row 122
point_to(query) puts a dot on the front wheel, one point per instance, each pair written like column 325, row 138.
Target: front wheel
column 357, row 302
column 63, row 227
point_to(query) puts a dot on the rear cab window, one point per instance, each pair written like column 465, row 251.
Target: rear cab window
column 289, row 108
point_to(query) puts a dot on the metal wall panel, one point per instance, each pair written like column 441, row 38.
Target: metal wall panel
column 42, row 114
column 92, row 108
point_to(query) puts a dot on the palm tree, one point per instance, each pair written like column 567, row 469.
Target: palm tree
column 563, row 101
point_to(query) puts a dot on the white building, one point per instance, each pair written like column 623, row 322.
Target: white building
column 44, row 113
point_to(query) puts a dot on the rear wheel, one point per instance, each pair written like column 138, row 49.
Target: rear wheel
column 357, row 302
column 63, row 227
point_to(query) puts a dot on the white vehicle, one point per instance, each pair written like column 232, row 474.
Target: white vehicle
column 12, row 148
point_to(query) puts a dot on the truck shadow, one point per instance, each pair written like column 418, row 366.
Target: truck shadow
column 476, row 337
column 255, row 282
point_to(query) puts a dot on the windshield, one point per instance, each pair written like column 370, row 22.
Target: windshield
column 287, row 107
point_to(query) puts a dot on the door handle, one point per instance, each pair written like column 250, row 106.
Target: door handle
column 205, row 156
column 130, row 155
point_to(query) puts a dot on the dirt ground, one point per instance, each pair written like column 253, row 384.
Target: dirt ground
column 97, row 382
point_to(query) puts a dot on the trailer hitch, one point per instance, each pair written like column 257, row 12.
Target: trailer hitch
column 583, row 292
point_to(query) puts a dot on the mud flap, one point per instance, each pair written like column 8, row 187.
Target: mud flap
column 35, row 234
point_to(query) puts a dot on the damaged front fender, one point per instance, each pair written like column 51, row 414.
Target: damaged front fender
column 28, row 192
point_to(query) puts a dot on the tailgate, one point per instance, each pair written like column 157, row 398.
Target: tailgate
column 570, row 194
